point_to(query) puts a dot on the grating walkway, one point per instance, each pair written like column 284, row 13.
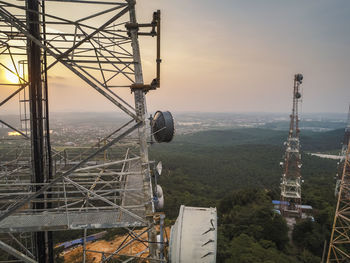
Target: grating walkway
column 134, row 181
column 71, row 221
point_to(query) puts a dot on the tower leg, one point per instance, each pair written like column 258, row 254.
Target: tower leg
column 141, row 111
column 43, row 240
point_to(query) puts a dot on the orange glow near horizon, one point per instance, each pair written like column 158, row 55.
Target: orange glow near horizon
column 13, row 133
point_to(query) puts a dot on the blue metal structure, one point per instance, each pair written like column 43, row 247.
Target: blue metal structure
column 80, row 241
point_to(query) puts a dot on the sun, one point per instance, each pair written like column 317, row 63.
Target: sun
column 11, row 76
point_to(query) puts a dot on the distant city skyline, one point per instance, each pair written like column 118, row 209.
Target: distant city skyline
column 234, row 56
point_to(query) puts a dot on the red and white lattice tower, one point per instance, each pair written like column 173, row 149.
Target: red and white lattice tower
column 291, row 178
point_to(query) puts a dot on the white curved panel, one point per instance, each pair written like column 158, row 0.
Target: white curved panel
column 194, row 236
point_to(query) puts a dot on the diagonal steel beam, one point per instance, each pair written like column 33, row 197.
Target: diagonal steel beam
column 105, row 138
column 21, row 245
column 13, row 128
column 105, row 200
column 17, row 206
column 60, row 19
column 111, row 20
column 107, row 164
column 125, row 245
column 9, row 18
column 13, row 94
column 16, row 253
column 98, row 14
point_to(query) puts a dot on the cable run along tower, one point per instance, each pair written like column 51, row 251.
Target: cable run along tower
column 290, row 205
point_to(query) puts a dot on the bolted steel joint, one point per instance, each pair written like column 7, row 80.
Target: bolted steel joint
column 132, row 26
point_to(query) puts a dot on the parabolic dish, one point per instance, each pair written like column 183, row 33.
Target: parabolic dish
column 163, row 126
column 299, row 77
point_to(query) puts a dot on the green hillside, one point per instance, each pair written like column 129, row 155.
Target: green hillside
column 311, row 141
column 238, row 172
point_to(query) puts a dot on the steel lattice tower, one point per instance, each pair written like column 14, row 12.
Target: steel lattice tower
column 44, row 189
column 342, row 154
column 339, row 246
column 291, row 178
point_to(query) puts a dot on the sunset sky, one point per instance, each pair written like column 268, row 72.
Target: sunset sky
column 241, row 55
column 237, row 56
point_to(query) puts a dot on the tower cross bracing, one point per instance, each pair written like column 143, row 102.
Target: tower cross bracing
column 76, row 188
column 339, row 246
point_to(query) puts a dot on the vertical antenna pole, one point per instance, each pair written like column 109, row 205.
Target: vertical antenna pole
column 158, row 48
column 141, row 111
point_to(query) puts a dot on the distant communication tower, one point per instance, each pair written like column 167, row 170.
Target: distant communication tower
column 291, row 178
column 339, row 246
column 44, row 188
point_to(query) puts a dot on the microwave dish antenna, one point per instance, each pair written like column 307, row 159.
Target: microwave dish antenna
column 162, row 125
column 159, row 168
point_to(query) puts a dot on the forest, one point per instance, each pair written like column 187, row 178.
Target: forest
column 237, row 171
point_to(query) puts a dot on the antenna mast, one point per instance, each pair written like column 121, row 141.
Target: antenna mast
column 291, row 178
